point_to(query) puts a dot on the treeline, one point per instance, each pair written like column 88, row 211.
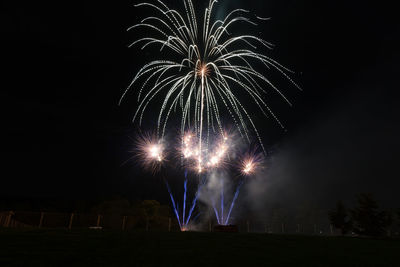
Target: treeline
column 365, row 219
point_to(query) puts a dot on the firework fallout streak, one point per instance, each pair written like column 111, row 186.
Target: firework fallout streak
column 203, row 68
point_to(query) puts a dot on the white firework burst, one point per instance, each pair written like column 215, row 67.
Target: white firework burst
column 203, row 70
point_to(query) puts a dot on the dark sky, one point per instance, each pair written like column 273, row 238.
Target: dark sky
column 65, row 65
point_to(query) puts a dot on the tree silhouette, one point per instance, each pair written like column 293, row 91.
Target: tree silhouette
column 340, row 218
column 367, row 219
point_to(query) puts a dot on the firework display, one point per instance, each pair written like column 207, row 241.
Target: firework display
column 213, row 64
column 204, row 69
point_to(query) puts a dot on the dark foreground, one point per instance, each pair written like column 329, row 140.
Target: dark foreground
column 102, row 248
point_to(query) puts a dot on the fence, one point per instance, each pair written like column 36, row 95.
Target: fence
column 19, row 219
column 11, row 219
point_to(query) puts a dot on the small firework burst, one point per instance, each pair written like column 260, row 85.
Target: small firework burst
column 150, row 152
column 251, row 163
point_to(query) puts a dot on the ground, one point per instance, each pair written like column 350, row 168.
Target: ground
column 46, row 247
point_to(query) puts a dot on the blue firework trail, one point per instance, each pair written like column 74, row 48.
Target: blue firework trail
column 222, row 200
column 233, row 201
column 173, row 204
column 220, row 219
column 183, row 223
column 195, row 201
column 184, row 197
column 216, row 212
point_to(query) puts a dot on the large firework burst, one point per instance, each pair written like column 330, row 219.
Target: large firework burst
column 206, row 70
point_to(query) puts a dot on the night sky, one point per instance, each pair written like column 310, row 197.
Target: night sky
column 65, row 64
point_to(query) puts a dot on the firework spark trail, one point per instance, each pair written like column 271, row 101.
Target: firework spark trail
column 192, row 208
column 213, row 64
column 195, row 201
column 220, row 216
column 233, row 201
column 215, row 211
column 173, row 203
column 184, row 199
column 222, row 200
column 201, row 115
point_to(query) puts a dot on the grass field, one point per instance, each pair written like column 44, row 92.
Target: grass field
column 102, row 248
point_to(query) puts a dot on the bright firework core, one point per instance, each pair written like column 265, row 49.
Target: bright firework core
column 206, row 159
column 155, row 152
column 203, row 70
column 248, row 167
